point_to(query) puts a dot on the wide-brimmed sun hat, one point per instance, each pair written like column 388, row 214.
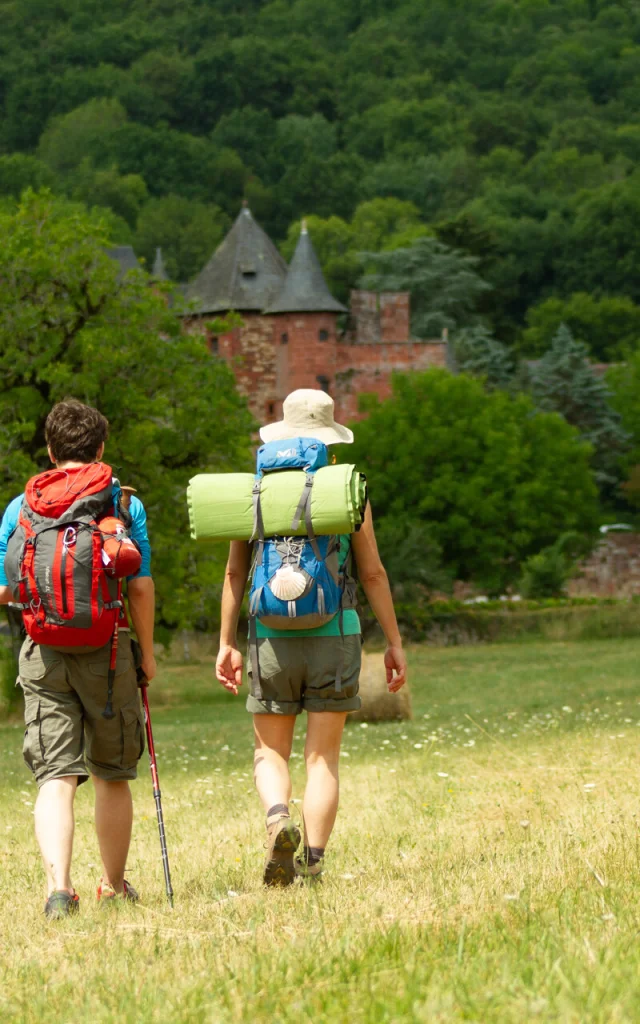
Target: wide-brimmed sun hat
column 307, row 413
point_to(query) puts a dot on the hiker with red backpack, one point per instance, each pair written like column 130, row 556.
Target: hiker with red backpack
column 66, row 546
column 304, row 638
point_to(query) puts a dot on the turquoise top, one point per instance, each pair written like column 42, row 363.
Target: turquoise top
column 350, row 621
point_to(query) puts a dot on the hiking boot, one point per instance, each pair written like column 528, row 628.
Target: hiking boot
column 282, row 842
column 106, row 894
column 312, row 873
column 61, row 904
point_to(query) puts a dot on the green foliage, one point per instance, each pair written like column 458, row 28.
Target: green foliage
column 511, row 128
column 601, row 252
column 20, row 171
column 443, row 282
column 624, row 382
column 68, row 327
column 188, row 232
column 9, row 692
column 547, row 573
column 454, row 623
column 412, row 558
column 83, row 134
column 124, row 194
column 608, row 326
column 478, row 354
column 564, row 381
column 494, row 481
column 376, row 225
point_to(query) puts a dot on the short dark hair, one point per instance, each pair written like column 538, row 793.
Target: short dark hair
column 74, row 432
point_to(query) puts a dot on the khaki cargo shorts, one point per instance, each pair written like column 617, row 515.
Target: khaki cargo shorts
column 64, row 696
column 299, row 674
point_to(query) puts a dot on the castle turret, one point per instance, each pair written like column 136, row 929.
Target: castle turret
column 305, row 289
column 305, row 314
column 244, row 274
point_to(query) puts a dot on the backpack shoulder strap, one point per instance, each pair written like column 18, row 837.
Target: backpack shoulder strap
column 258, row 522
column 304, row 509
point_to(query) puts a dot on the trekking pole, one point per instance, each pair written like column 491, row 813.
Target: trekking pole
column 143, row 684
column 108, row 712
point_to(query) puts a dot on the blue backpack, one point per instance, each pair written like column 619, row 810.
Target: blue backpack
column 297, row 582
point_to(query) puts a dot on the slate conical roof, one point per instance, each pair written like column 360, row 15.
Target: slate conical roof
column 305, row 289
column 125, row 257
column 244, row 273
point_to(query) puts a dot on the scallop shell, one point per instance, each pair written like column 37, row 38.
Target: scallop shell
column 287, row 583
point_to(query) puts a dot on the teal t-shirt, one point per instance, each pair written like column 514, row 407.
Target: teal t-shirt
column 350, row 618
column 350, row 622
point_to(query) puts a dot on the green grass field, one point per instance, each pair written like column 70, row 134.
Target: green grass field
column 485, row 865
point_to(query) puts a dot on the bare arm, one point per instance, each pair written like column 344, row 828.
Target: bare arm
column 142, row 604
column 6, row 595
column 375, row 583
column 229, row 660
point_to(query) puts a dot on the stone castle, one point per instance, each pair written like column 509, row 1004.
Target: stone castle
column 293, row 333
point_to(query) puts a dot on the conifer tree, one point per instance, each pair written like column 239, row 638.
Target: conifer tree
column 444, row 283
column 564, row 381
column 479, row 354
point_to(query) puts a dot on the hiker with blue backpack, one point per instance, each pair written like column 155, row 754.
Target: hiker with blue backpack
column 66, row 545
column 304, row 634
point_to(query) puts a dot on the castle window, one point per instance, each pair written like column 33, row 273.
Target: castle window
column 284, row 339
column 323, row 382
column 214, row 346
column 323, row 335
column 271, row 409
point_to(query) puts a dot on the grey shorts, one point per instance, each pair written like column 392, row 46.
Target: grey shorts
column 299, row 674
column 64, row 697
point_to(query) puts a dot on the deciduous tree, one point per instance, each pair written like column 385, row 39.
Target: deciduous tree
column 494, row 480
column 68, row 326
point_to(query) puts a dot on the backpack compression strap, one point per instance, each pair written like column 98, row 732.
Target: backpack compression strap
column 304, row 509
column 258, row 522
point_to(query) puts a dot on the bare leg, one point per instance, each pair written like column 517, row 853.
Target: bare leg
column 274, row 737
column 114, row 818
column 322, row 754
column 55, row 825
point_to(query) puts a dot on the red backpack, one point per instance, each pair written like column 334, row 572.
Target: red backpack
column 56, row 563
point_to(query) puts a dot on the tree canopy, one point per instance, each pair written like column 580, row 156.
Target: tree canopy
column 511, row 129
column 494, row 480
column 69, row 327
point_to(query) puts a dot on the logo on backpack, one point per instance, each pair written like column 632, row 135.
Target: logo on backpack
column 58, row 562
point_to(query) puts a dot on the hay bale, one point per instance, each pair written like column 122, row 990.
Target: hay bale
column 378, row 705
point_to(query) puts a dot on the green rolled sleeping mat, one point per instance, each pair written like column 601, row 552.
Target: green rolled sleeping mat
column 221, row 504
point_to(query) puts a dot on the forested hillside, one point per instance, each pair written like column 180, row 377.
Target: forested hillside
column 509, row 129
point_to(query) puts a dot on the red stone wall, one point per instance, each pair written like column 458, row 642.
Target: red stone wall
column 380, row 317
column 612, row 570
column 249, row 350
column 367, row 369
column 267, row 367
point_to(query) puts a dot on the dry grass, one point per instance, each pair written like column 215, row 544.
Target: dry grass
column 485, row 865
column 378, row 705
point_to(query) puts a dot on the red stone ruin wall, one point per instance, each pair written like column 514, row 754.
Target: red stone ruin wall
column 267, row 368
column 367, row 369
column 613, row 569
column 249, row 351
column 377, row 318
